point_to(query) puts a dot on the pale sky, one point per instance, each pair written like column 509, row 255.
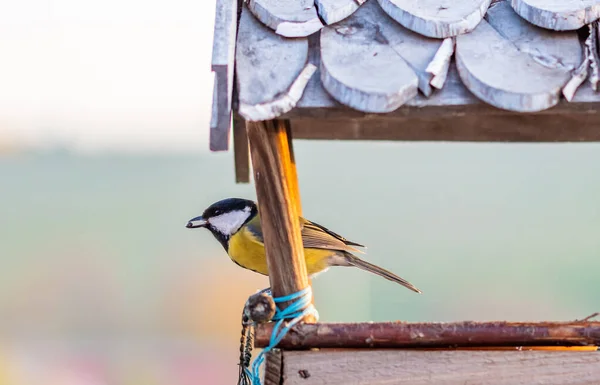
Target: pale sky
column 110, row 74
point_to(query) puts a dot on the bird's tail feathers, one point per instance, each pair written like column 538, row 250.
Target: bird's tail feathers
column 366, row 266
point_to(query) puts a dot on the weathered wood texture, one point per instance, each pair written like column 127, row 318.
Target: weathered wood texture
column 241, row 151
column 317, row 103
column 458, row 126
column 359, row 66
column 439, row 66
column 273, row 368
column 579, row 76
column 273, row 74
column 332, row 11
column 560, row 15
column 454, row 98
column 414, row 367
column 416, row 50
column 278, row 205
column 511, row 70
column 450, row 114
column 272, row 71
column 222, row 66
column 592, row 47
column 289, row 18
column 453, row 334
column 524, row 76
column 552, row 49
column 437, row 18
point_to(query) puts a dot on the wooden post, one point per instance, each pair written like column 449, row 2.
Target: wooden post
column 294, row 187
column 278, row 202
column 240, row 150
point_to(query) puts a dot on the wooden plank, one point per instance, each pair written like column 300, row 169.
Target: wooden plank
column 453, row 124
column 411, row 367
column 494, row 69
column 437, row 18
column 222, row 66
column 332, row 11
column 241, row 152
column 559, row 15
column 272, row 71
column 273, row 175
column 358, row 66
column 423, row 335
column 289, row 18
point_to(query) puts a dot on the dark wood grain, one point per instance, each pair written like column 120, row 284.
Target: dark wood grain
column 578, row 126
column 468, row 334
column 273, row 367
column 241, row 152
column 274, row 173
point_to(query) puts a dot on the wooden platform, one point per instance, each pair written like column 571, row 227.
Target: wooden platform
column 423, row 367
column 457, row 353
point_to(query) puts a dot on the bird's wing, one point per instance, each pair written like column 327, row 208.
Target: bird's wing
column 313, row 236
column 319, row 237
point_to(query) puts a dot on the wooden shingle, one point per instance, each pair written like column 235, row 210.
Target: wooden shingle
column 374, row 64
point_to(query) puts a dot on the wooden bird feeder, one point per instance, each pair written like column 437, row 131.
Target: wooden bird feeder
column 427, row 70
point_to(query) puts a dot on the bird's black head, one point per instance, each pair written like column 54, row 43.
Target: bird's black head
column 224, row 218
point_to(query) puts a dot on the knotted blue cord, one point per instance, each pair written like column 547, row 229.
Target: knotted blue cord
column 296, row 311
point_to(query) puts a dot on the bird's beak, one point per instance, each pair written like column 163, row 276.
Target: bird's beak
column 196, row 222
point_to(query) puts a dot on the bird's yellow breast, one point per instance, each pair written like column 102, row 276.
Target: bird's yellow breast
column 249, row 252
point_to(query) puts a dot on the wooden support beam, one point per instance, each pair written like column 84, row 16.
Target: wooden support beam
column 428, row 335
column 419, row 367
column 583, row 126
column 278, row 202
column 241, row 152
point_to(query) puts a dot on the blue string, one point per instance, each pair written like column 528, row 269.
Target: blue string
column 296, row 311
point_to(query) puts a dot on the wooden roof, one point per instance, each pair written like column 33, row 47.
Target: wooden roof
column 422, row 59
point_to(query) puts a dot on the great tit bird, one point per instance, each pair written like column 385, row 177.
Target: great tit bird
column 235, row 223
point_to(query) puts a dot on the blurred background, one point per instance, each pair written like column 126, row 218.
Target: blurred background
column 104, row 113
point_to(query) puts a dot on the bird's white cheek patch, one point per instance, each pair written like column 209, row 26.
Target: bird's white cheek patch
column 229, row 223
